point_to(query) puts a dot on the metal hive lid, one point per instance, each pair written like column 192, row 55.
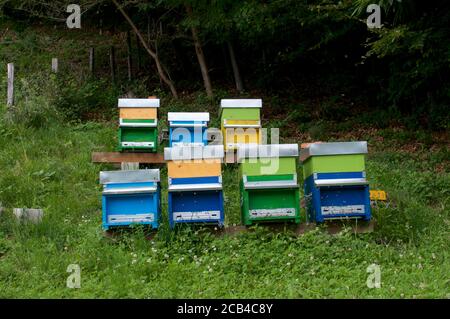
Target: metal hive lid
column 179, row 153
column 188, row 116
column 265, row 151
column 139, row 103
column 240, row 103
column 135, row 176
column 334, row 148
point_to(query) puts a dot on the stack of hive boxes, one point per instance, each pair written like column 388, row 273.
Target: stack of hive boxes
column 195, row 184
column 268, row 183
column 130, row 197
column 240, row 122
column 188, row 129
column 138, row 129
column 335, row 181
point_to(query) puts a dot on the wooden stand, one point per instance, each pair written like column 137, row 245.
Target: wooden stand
column 123, row 157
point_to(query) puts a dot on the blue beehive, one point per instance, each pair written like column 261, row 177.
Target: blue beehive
column 130, row 197
column 335, row 181
column 188, row 129
column 195, row 184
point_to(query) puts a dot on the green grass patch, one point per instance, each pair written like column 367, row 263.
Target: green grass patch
column 50, row 168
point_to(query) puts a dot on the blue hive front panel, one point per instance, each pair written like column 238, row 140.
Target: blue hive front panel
column 188, row 135
column 196, row 207
column 127, row 209
column 337, row 201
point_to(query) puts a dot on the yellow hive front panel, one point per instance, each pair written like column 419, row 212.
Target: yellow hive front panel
column 138, row 113
column 194, row 168
column 235, row 136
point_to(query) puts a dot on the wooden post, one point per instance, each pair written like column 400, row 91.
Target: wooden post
column 91, row 60
column 112, row 62
column 10, row 99
column 129, row 59
column 55, row 65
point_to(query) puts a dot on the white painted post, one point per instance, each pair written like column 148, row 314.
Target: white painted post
column 10, row 98
column 55, row 65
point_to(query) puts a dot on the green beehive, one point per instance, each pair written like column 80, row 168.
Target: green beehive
column 336, row 157
column 138, row 128
column 268, row 183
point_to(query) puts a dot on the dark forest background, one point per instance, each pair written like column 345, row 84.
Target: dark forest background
column 316, row 56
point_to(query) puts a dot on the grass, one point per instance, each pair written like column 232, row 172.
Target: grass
column 50, row 168
column 45, row 164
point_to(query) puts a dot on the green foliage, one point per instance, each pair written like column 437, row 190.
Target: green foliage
column 89, row 99
column 34, row 106
column 414, row 46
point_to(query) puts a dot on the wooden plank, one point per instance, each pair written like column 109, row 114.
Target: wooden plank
column 118, row 157
column 10, row 99
column 356, row 226
column 138, row 113
column 183, row 169
column 331, row 227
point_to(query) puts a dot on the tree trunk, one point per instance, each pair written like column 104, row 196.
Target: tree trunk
column 129, row 57
column 138, row 51
column 112, row 63
column 147, row 48
column 200, row 56
column 236, row 73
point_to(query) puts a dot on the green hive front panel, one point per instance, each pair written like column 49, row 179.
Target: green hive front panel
column 335, row 157
column 138, row 138
column 243, row 114
column 269, row 188
column 270, row 205
column 334, row 164
column 268, row 166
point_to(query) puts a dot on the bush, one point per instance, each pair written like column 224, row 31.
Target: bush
column 83, row 101
column 34, row 103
